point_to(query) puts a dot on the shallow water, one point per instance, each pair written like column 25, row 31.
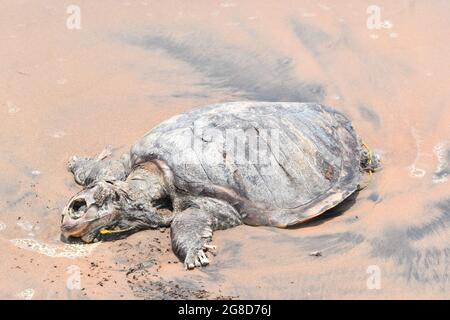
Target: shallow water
column 134, row 64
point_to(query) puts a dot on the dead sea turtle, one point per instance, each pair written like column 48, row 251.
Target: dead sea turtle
column 216, row 167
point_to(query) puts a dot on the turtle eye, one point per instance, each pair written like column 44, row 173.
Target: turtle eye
column 77, row 208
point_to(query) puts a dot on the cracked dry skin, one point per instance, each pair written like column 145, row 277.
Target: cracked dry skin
column 138, row 63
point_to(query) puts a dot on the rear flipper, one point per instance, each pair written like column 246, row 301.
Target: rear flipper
column 370, row 160
column 192, row 229
column 87, row 170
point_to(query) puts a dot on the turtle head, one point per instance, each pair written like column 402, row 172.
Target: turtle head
column 108, row 210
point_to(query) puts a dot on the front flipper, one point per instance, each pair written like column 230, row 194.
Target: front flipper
column 191, row 231
column 87, row 170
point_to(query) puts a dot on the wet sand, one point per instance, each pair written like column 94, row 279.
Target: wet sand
column 134, row 64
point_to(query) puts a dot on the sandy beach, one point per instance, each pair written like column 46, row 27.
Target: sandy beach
column 133, row 64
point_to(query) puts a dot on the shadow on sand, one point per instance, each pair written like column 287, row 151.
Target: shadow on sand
column 336, row 211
